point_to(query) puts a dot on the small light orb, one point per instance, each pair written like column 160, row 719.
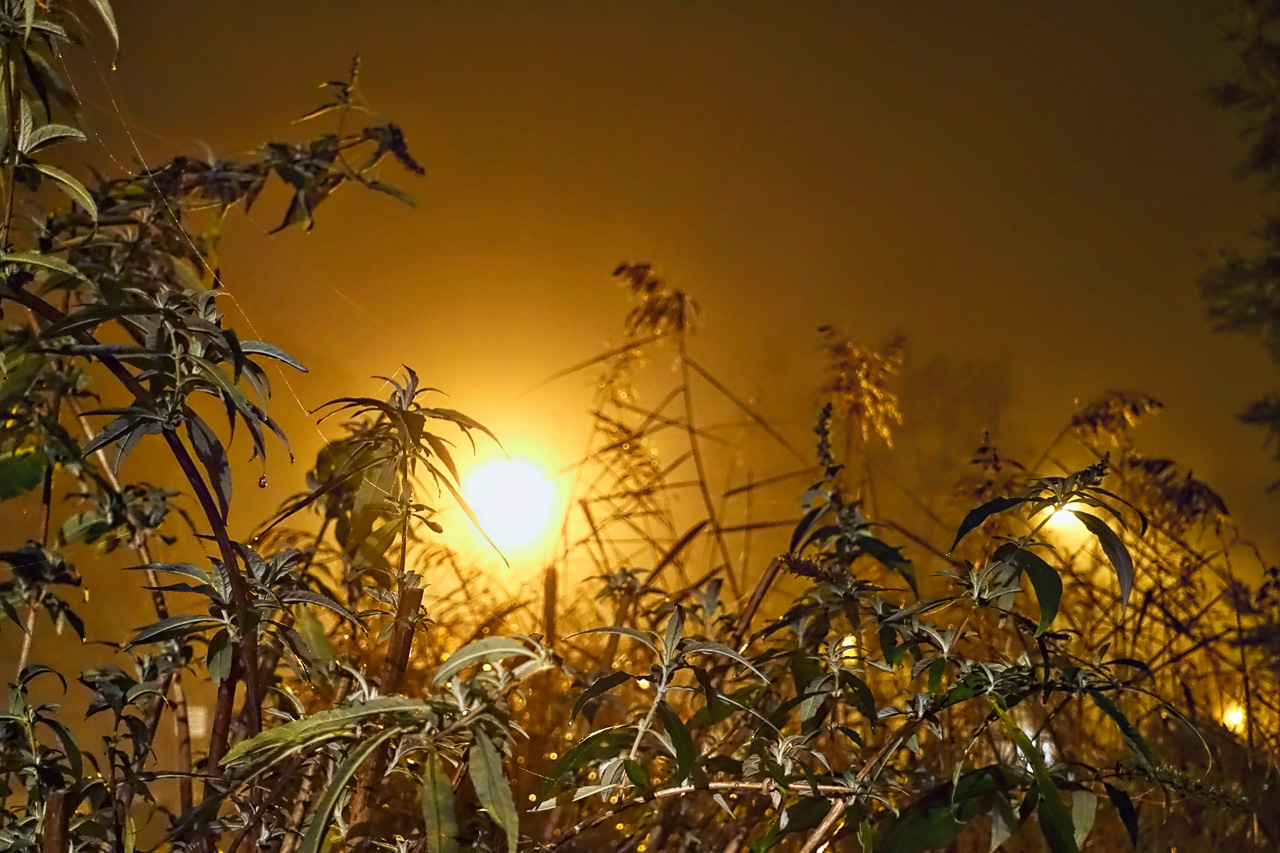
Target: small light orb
column 1233, row 718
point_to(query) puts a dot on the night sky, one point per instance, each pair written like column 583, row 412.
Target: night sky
column 1027, row 191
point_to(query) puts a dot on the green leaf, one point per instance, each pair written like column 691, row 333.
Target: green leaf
column 437, row 806
column 50, row 263
column 863, row 699
column 394, row 192
column 72, row 187
column 804, row 815
column 934, row 820
column 103, row 8
column 674, row 633
column 982, row 513
column 638, row 775
column 218, row 657
column 597, row 744
column 186, row 570
column 173, row 627
column 324, row 725
column 318, row 828
column 213, row 457
column 70, row 749
column 1125, row 808
column 493, row 790
column 891, row 558
column 488, row 650
column 1046, row 582
column 1084, row 808
column 622, row 632
column 1116, row 553
column 271, row 351
column 936, row 670
column 601, row 685
column 312, row 632
column 21, row 472
column 48, row 134
column 1132, row 738
column 681, row 742
column 889, row 646
column 710, row 647
column 1055, row 820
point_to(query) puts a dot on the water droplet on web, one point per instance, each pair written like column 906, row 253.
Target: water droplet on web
column 262, row 481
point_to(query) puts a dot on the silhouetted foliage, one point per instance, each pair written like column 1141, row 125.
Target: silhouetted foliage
column 869, row 685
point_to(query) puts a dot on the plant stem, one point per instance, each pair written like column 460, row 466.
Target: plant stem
column 54, row 837
column 658, row 695
column 549, row 595
column 24, row 653
column 11, row 160
column 392, row 677
column 173, row 681
column 239, row 589
column 753, row 604
column 220, row 728
column 691, row 431
column 868, row 770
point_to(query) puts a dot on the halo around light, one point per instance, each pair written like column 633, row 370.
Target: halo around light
column 513, row 500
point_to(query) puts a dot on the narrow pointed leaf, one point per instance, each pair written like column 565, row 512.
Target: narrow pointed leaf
column 1126, row 810
column 493, row 790
column 1116, row 553
column 436, row 791
column 1046, row 582
column 598, row 687
column 981, row 514
column 318, row 828
column 1055, row 820
column 1132, row 738
column 681, row 742
column 72, row 187
column 488, row 650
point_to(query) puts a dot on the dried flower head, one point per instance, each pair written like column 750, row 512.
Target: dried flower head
column 857, row 383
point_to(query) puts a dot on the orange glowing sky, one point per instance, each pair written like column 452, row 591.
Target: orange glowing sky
column 1025, row 189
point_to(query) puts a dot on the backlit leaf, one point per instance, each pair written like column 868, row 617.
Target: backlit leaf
column 436, row 791
column 1046, row 582
column 493, row 790
column 1116, row 553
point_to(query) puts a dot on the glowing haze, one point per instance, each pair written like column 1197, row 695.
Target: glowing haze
column 514, row 500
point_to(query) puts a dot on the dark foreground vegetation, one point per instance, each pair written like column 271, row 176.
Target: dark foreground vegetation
column 874, row 687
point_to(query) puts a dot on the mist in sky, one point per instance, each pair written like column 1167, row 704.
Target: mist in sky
column 1026, row 191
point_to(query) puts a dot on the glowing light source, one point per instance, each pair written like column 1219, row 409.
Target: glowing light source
column 849, row 651
column 1233, row 718
column 513, row 500
column 1062, row 516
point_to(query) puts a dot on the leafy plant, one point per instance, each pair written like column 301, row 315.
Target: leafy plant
column 865, row 685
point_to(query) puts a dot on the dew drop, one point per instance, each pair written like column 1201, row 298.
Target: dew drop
column 262, row 481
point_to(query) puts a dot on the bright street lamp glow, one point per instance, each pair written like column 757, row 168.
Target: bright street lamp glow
column 512, row 498
column 1233, row 718
column 1061, row 516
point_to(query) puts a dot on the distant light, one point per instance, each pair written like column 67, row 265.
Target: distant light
column 512, row 498
column 1233, row 717
column 1063, row 516
column 198, row 721
column 849, row 651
